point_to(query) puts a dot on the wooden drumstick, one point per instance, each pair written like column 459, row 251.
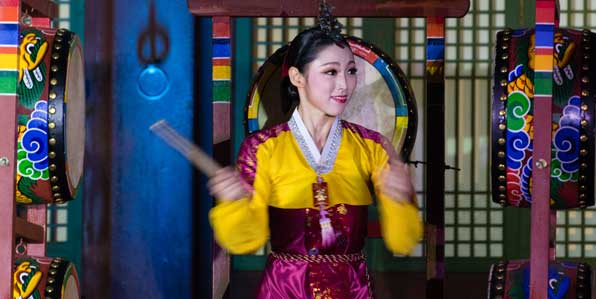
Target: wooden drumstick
column 193, row 153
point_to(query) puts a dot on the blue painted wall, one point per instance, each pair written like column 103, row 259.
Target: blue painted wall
column 151, row 185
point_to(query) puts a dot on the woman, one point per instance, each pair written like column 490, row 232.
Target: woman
column 305, row 185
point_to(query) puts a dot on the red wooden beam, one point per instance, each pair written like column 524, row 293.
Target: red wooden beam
column 32, row 233
column 352, row 8
column 40, row 8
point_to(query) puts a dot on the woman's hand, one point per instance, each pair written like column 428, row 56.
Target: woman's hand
column 227, row 185
column 396, row 182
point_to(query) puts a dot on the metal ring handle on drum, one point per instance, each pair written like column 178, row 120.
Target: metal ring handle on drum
column 21, row 248
column 57, row 116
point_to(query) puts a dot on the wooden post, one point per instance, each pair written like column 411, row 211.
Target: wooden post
column 9, row 38
column 435, row 155
column 543, row 77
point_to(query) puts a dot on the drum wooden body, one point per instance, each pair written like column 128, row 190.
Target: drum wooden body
column 574, row 87
column 566, row 280
column 51, row 116
column 382, row 101
column 45, row 278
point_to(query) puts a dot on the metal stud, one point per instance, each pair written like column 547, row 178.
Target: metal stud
column 52, row 155
column 584, row 107
column 54, row 265
column 49, row 289
column 504, row 69
column 583, row 138
column 583, row 152
column 57, row 195
column 54, row 81
column 51, row 280
column 57, row 46
column 52, row 110
column 502, row 189
column 60, row 33
column 502, row 112
column 503, row 98
column 586, row 56
column 59, row 39
column 583, row 122
column 585, row 80
column 506, row 38
column 502, row 127
column 582, row 188
column 586, row 47
column 56, row 188
column 505, row 46
column 55, row 56
column 52, row 141
column 501, row 154
column 52, row 125
column 502, row 196
column 54, row 179
column 585, row 93
column 582, row 178
column 53, row 272
column 585, row 67
column 52, row 167
column 53, row 95
column 59, row 200
column 502, row 167
column 501, row 141
column 54, row 68
column 582, row 196
column 499, row 286
column 502, row 178
column 505, row 56
column 503, row 83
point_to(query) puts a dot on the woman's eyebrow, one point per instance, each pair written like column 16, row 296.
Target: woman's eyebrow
column 337, row 63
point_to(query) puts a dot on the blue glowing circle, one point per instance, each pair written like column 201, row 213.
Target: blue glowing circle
column 153, row 83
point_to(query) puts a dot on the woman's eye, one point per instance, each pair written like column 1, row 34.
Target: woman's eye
column 331, row 72
column 353, row 71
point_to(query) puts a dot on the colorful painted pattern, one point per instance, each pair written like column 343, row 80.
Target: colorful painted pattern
column 513, row 111
column 32, row 142
column 511, row 280
column 9, row 41
column 222, row 77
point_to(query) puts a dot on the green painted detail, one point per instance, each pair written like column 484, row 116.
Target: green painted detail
column 8, row 81
column 221, row 91
column 23, row 119
column 543, row 83
column 25, row 187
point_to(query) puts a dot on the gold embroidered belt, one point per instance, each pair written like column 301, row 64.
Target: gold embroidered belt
column 319, row 258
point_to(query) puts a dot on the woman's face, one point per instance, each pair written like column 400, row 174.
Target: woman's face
column 330, row 80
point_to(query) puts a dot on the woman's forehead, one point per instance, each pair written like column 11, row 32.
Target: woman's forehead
column 334, row 54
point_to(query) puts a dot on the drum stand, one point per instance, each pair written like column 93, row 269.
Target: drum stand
column 31, row 229
column 435, row 10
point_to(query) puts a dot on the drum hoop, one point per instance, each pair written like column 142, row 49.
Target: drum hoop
column 387, row 68
column 61, row 50
column 59, row 270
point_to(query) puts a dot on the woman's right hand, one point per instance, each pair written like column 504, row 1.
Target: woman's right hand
column 227, row 185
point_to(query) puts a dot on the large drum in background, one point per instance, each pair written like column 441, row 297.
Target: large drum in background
column 574, row 87
column 566, row 280
column 51, row 116
column 42, row 277
column 382, row 101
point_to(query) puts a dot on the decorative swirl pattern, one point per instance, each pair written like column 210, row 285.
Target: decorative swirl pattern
column 32, row 148
column 518, row 106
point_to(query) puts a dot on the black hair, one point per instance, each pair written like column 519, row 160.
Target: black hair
column 303, row 49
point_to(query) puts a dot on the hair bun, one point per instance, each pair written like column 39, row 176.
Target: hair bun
column 328, row 23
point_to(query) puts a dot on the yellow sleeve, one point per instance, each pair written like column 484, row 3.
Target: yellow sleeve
column 401, row 224
column 242, row 226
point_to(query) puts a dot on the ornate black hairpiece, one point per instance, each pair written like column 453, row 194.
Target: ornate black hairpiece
column 328, row 23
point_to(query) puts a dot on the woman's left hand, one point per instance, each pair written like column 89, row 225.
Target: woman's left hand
column 396, row 182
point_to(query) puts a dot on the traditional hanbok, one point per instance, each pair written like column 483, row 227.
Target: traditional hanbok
column 283, row 165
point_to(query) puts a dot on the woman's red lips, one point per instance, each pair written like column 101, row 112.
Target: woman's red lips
column 341, row 99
